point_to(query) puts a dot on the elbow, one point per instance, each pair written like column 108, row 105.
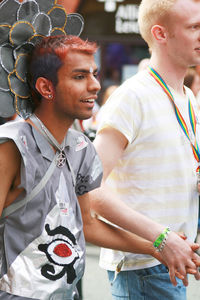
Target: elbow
column 98, row 205
column 88, row 230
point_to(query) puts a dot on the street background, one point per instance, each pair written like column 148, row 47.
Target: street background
column 96, row 285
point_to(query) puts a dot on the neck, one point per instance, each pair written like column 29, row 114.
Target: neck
column 172, row 74
column 57, row 127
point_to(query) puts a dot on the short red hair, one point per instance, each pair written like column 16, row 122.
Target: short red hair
column 60, row 45
column 49, row 55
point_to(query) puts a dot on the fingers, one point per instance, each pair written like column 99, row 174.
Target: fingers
column 190, row 262
column 178, row 275
column 197, row 262
column 185, row 281
column 180, row 258
column 191, row 271
column 196, row 259
column 182, row 235
column 195, row 247
column 197, row 275
column 188, row 266
column 183, row 278
column 172, row 276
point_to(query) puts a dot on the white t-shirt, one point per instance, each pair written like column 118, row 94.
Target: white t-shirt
column 156, row 175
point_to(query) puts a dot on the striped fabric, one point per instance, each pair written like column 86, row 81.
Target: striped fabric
column 156, row 175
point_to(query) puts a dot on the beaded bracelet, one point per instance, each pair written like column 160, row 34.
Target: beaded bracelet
column 163, row 243
column 161, row 239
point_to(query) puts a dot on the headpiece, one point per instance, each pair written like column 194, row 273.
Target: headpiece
column 22, row 25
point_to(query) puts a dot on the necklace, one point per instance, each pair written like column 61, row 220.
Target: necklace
column 61, row 158
column 181, row 121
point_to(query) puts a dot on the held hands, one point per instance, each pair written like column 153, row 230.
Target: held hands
column 179, row 256
column 196, row 260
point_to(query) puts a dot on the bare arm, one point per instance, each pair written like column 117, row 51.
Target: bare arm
column 178, row 255
column 10, row 160
column 105, row 235
column 108, row 204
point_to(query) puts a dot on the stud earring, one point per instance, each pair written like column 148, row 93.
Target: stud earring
column 50, row 96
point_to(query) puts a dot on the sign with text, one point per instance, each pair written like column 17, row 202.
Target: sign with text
column 126, row 19
column 126, row 15
column 110, row 18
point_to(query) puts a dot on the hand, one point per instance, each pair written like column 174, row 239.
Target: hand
column 196, row 260
column 178, row 256
column 158, row 256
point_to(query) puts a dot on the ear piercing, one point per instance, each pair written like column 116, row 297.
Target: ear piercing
column 50, row 96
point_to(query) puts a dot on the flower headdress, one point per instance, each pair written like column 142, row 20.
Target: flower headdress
column 22, row 25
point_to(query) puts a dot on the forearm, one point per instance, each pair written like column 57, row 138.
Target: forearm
column 177, row 255
column 105, row 235
column 108, row 205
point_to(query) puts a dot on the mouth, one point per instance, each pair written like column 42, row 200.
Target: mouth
column 88, row 100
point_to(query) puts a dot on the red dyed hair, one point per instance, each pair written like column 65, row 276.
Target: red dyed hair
column 60, row 45
column 49, row 55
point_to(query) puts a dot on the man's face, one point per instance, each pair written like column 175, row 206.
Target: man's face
column 184, row 38
column 77, row 87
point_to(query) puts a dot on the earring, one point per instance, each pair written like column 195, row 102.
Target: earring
column 50, row 96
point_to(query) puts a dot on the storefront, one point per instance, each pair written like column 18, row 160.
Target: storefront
column 113, row 24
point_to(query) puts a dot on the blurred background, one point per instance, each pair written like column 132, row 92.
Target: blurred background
column 113, row 25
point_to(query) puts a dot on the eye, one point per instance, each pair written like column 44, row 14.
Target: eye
column 79, row 77
column 96, row 74
column 195, row 26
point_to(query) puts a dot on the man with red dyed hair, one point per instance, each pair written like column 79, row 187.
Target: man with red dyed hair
column 47, row 168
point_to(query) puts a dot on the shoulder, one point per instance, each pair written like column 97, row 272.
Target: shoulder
column 19, row 135
column 13, row 129
column 9, row 150
column 139, row 80
column 132, row 91
column 10, row 158
column 77, row 140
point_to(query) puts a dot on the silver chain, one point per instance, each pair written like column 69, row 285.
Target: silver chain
column 61, row 159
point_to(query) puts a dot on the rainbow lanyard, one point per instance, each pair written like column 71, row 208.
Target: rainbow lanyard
column 179, row 117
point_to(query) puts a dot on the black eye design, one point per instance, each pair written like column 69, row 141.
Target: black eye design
column 62, row 252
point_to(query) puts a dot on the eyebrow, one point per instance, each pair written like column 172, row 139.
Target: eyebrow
column 84, row 71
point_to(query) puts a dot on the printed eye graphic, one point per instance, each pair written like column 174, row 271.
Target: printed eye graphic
column 61, row 252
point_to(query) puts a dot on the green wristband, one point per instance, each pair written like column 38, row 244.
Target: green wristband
column 161, row 237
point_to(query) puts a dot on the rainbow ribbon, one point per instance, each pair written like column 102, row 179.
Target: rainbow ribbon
column 195, row 147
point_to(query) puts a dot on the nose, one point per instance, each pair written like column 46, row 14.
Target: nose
column 94, row 84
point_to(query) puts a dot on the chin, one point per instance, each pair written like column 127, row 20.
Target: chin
column 84, row 117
